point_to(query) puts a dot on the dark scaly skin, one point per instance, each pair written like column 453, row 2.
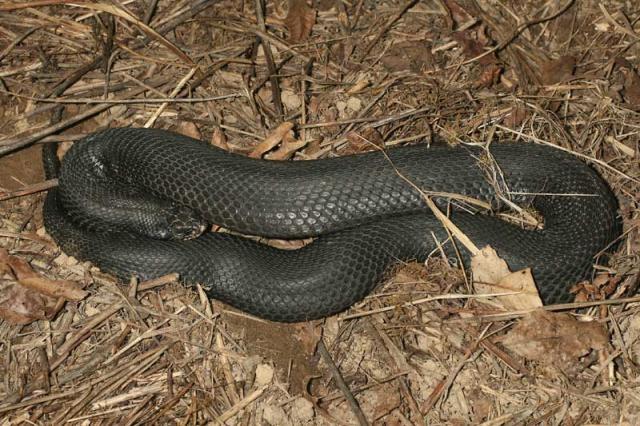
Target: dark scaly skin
column 366, row 215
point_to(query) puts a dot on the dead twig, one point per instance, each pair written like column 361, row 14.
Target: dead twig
column 337, row 376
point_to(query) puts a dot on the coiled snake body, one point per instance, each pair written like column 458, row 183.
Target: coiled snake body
column 119, row 182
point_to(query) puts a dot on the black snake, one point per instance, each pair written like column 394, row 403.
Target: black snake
column 119, row 184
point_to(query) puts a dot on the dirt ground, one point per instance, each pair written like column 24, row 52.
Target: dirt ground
column 303, row 80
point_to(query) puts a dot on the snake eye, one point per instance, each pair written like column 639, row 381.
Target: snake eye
column 184, row 224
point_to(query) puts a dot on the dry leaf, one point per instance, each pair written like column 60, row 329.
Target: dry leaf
column 325, row 5
column 380, row 402
column 4, row 262
column 189, row 128
column 272, row 140
column 219, row 139
column 19, row 305
column 602, row 286
column 412, row 55
column 457, row 13
column 288, row 147
column 290, row 99
column 489, row 76
column 491, row 274
column 361, row 83
column 481, row 404
column 515, row 117
column 556, row 339
column 302, row 409
column 367, row 140
column 558, row 70
column 264, row 374
column 299, row 20
column 474, row 45
column 54, row 288
column 631, row 87
column 27, row 296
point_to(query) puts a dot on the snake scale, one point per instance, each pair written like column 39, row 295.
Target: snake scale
column 127, row 199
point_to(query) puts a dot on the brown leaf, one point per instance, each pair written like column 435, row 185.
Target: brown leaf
column 489, row 76
column 4, row 262
column 556, row 339
column 603, row 285
column 474, row 45
column 492, row 275
column 270, row 142
column 325, row 5
column 631, row 87
column 219, row 139
column 299, row 20
column 367, row 140
column 189, row 128
column 288, row 147
column 558, row 70
column 27, row 296
column 381, row 401
column 54, row 288
column 517, row 115
column 413, row 56
column 457, row 13
column 19, row 305
column 480, row 403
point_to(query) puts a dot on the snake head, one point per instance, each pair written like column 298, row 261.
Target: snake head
column 182, row 223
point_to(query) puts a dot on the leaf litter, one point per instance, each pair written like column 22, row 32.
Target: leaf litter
column 329, row 78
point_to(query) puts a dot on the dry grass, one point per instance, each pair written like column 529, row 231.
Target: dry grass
column 389, row 72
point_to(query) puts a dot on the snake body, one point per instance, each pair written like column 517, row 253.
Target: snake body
column 126, row 196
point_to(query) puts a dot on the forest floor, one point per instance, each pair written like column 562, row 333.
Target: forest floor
column 301, row 81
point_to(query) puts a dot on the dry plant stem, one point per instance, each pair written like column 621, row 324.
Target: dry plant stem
column 29, row 189
column 137, row 412
column 34, row 3
column 401, row 363
column 551, row 308
column 156, row 282
column 233, row 411
column 276, row 94
column 619, row 27
column 8, row 145
column 339, row 395
column 516, row 33
column 65, row 350
column 337, row 376
column 446, row 222
column 228, row 374
column 443, row 386
column 386, row 27
column 150, row 32
column 577, row 154
column 151, row 10
column 168, row 405
column 12, row 144
column 173, row 94
column 118, row 371
column 513, row 363
column 15, row 42
column 89, row 101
